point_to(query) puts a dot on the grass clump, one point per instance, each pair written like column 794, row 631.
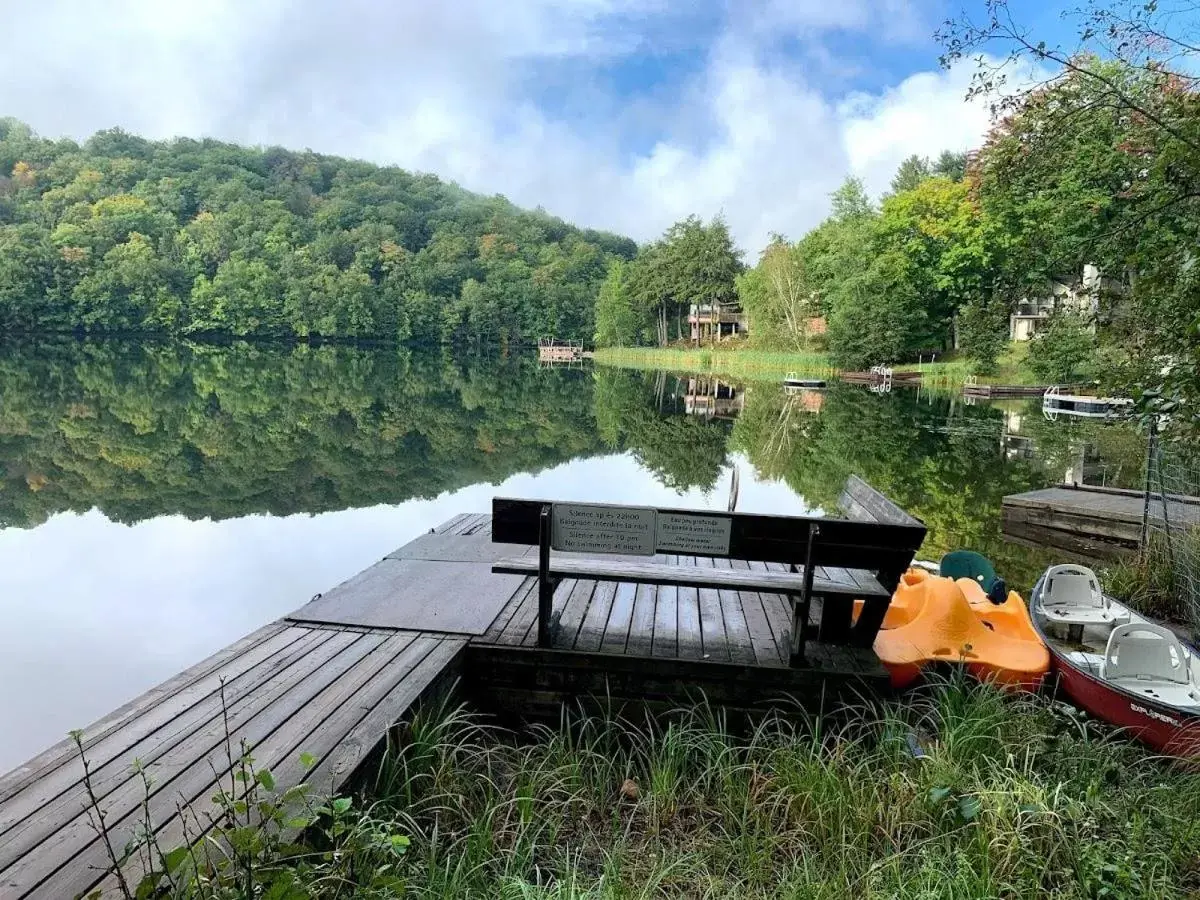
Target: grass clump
column 959, row 791
column 764, row 365
column 1161, row 580
column 1013, row 798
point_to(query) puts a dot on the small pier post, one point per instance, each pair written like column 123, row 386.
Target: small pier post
column 546, row 584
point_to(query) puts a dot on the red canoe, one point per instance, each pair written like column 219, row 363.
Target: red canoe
column 1118, row 665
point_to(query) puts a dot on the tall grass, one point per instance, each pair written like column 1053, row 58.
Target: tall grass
column 1013, row 798
column 766, row 365
column 956, row 792
column 736, row 360
column 1157, row 581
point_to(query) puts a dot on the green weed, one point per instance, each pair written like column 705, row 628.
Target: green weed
column 1010, row 797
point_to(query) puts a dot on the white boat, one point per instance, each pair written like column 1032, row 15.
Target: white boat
column 1056, row 403
column 1117, row 665
column 792, row 380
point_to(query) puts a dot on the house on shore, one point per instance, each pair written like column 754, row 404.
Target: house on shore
column 1084, row 296
column 711, row 322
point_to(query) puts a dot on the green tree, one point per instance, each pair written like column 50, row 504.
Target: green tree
column 913, row 170
column 692, row 263
column 949, row 248
column 29, row 281
column 850, row 201
column 240, row 241
column 950, row 165
column 877, row 314
column 1065, row 350
column 777, row 295
column 983, row 330
column 1100, row 163
column 617, row 322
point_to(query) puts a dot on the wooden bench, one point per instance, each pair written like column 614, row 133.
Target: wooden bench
column 836, row 560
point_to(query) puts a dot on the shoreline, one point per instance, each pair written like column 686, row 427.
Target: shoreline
column 773, row 365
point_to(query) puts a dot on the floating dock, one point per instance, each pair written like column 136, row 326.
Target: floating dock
column 1095, row 523
column 1003, row 391
column 332, row 679
column 1056, row 403
column 880, row 374
column 553, row 351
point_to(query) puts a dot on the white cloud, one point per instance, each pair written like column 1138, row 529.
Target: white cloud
column 924, row 114
column 459, row 89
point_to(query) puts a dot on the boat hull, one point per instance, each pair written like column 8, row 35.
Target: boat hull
column 1165, row 728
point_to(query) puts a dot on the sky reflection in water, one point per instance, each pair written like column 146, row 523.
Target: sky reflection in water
column 96, row 612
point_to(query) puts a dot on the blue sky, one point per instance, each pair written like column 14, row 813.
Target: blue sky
column 621, row 114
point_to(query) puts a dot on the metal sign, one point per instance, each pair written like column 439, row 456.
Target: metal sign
column 637, row 531
column 698, row 535
column 582, row 528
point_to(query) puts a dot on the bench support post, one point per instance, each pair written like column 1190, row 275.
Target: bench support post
column 546, row 584
column 800, row 609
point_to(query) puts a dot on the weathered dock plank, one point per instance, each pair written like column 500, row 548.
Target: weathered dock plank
column 64, row 750
column 595, row 620
column 419, row 594
column 292, row 689
column 666, row 622
column 345, row 726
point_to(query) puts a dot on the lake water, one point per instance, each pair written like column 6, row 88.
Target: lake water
column 157, row 503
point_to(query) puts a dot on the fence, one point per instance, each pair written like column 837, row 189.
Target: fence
column 1171, row 519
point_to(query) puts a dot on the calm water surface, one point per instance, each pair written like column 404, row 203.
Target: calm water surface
column 157, row 503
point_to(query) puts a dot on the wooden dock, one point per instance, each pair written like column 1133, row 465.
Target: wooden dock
column 1094, row 523
column 552, row 351
column 905, row 377
column 333, row 677
column 1003, row 391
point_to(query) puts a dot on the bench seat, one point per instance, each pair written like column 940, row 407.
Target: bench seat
column 867, row 586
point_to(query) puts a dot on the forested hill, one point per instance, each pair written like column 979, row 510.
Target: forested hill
column 199, row 237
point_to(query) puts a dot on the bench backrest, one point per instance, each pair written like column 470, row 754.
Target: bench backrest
column 886, row 548
column 862, row 503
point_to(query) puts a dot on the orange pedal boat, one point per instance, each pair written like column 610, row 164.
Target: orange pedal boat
column 935, row 619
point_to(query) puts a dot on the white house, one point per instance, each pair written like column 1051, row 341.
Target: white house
column 1082, row 296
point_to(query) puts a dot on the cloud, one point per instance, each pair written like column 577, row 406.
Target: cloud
column 924, row 114
column 610, row 113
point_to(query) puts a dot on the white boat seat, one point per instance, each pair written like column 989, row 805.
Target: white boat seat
column 1071, row 594
column 1145, row 652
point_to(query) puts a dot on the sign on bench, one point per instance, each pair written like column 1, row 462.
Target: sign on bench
column 636, row 530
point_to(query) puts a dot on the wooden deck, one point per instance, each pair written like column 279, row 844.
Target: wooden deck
column 330, row 679
column 1003, row 391
column 1094, row 523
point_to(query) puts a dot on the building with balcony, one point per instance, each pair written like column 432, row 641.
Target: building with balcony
column 710, row 322
column 1082, row 297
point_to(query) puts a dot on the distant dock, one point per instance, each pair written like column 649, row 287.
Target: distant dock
column 552, row 351
column 331, row 679
column 882, row 375
column 1003, row 391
